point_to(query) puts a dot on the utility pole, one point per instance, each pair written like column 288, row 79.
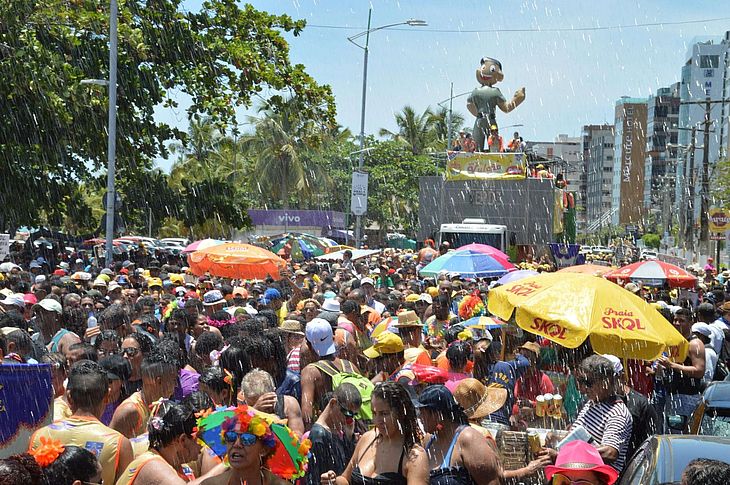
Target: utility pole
column 705, row 198
column 691, row 180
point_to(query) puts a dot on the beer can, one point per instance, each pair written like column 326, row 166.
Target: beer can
column 533, row 441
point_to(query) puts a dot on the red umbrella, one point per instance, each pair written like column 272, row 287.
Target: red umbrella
column 653, row 273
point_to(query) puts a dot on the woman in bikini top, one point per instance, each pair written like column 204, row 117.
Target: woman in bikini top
column 396, row 434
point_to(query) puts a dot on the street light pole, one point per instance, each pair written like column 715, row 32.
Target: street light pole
column 361, row 159
column 112, row 132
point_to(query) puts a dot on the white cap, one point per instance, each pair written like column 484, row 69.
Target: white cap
column 425, row 297
column 618, row 367
column 49, row 305
column 40, row 278
column 113, row 285
column 320, row 336
column 331, row 305
column 15, row 299
column 366, row 281
column 702, row 329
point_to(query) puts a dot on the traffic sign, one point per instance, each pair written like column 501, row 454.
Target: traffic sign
column 359, row 195
column 717, row 236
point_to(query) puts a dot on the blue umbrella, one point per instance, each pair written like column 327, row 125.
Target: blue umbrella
column 467, row 263
column 516, row 275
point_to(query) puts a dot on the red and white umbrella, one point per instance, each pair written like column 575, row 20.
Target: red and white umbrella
column 653, row 273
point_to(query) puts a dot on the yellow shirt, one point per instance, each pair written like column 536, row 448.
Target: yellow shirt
column 140, row 444
column 130, row 474
column 88, row 433
column 61, row 409
column 143, row 412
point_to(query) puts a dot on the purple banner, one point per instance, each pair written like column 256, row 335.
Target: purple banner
column 567, row 254
column 311, row 218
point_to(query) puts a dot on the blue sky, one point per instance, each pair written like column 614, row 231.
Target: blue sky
column 571, row 78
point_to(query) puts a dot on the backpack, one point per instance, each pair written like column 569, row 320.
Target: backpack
column 348, row 375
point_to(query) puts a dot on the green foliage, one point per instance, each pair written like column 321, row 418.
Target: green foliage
column 393, row 185
column 52, row 128
column 652, row 240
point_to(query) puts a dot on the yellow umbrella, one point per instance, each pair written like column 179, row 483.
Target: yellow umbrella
column 569, row 308
column 592, row 269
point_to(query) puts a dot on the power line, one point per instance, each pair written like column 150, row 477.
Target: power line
column 539, row 30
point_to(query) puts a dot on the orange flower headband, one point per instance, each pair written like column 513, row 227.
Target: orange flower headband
column 48, row 451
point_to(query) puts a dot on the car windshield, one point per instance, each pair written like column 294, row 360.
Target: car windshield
column 716, row 422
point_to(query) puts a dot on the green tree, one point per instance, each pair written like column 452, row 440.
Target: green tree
column 651, row 240
column 52, row 128
column 282, row 144
column 440, row 123
column 393, row 185
column 415, row 130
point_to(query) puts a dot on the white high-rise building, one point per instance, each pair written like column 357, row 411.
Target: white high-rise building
column 704, row 75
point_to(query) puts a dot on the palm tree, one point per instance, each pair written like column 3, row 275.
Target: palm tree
column 413, row 129
column 440, row 120
column 281, row 145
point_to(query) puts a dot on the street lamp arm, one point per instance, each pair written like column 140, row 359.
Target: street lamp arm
column 411, row 22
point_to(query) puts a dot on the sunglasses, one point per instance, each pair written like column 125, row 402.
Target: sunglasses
column 130, row 351
column 346, row 412
column 559, row 479
column 247, row 439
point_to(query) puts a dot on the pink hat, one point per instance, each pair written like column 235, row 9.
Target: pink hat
column 579, row 455
column 30, row 299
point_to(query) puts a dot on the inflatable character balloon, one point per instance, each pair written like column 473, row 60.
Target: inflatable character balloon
column 485, row 98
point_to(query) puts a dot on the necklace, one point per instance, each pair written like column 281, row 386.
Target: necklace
column 241, row 481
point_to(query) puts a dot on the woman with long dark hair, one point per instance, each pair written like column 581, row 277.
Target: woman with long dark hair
column 171, row 432
column 391, row 453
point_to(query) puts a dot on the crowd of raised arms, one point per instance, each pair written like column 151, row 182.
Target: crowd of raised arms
column 359, row 372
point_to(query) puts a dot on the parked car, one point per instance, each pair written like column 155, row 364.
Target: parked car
column 661, row 459
column 712, row 416
column 175, row 241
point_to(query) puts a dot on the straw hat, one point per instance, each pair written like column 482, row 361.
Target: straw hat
column 477, row 399
column 408, row 319
column 291, row 326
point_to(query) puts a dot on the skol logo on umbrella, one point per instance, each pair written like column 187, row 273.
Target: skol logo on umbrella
column 621, row 319
column 548, row 328
column 526, row 289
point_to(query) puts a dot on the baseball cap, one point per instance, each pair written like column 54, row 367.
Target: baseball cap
column 240, row 291
column 425, row 297
column 439, row 398
column 385, row 343
column 702, row 329
column 14, row 299
column 49, row 305
column 40, row 278
column 320, row 337
column 367, row 281
column 618, row 367
column 30, row 299
column 272, row 294
column 113, row 286
column 213, row 297
column 154, row 282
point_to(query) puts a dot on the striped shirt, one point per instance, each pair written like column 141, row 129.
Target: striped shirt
column 609, row 423
column 293, row 360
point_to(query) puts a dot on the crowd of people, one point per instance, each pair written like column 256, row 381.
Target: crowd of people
column 495, row 143
column 358, row 372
